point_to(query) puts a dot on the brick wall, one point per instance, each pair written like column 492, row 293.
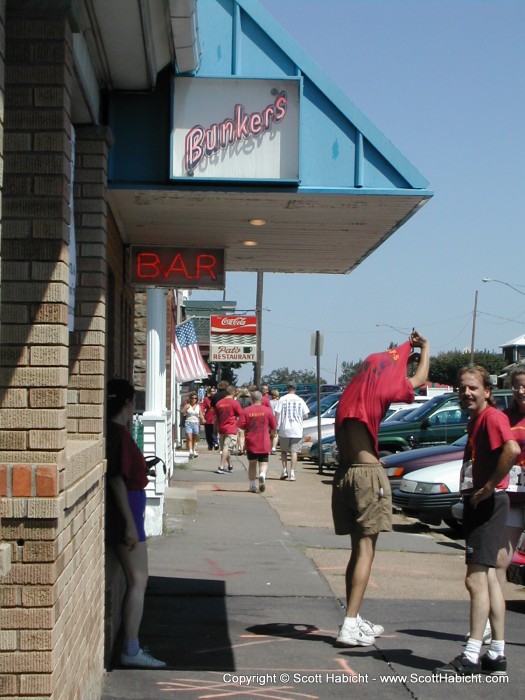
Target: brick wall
column 51, row 381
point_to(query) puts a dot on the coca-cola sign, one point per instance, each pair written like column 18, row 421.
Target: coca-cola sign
column 233, row 325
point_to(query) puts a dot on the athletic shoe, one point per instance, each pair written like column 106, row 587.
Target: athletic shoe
column 292, row 476
column 253, row 489
column 230, row 469
column 284, row 475
column 141, row 660
column 216, row 447
column 273, row 452
column 220, row 470
column 460, row 666
column 353, row 637
column 370, row 629
column 494, row 667
column 262, row 483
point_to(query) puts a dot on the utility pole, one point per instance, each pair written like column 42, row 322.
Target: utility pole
column 258, row 315
column 474, row 328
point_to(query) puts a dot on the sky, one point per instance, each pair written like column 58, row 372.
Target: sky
column 443, row 80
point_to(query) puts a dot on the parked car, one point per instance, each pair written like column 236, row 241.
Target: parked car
column 429, row 494
column 329, row 388
column 327, row 443
column 439, row 421
column 326, row 403
column 310, row 430
column 397, row 411
column 329, row 447
column 402, row 463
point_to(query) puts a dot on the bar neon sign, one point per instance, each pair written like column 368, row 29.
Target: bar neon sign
column 185, row 268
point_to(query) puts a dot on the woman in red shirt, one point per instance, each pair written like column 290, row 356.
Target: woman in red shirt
column 125, row 510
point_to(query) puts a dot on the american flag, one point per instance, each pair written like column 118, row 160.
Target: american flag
column 189, row 364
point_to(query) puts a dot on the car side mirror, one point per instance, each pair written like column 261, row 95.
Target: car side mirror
column 425, row 424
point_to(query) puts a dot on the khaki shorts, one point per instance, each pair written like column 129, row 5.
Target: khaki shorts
column 361, row 500
column 229, row 441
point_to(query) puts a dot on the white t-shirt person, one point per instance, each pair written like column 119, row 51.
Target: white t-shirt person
column 291, row 411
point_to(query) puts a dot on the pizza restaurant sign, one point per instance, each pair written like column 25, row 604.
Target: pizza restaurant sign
column 235, row 129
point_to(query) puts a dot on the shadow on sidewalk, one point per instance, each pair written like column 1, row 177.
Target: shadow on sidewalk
column 185, row 623
column 291, row 631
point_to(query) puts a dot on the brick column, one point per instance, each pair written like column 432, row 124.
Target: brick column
column 52, row 487
column 87, row 349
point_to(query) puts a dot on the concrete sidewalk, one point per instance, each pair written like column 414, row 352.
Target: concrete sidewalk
column 245, row 599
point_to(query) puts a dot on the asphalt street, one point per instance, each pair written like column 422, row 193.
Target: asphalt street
column 245, row 599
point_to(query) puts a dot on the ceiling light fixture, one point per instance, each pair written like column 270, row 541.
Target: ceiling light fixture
column 258, row 222
column 249, row 243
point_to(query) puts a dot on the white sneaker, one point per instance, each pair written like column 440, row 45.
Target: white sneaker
column 262, row 483
column 353, row 637
column 253, row 489
column 292, row 476
column 370, row 629
column 284, row 475
column 141, row 660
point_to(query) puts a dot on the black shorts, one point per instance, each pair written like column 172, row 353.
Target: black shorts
column 260, row 457
column 483, row 527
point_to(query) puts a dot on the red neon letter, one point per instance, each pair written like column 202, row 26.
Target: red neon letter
column 206, row 262
column 177, row 265
column 145, row 262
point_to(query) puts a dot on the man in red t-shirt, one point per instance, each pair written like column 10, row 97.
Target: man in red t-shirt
column 260, row 427
column 489, row 455
column 227, row 410
column 361, row 496
column 265, row 393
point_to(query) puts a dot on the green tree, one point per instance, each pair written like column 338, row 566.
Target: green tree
column 445, row 366
column 283, row 375
column 348, row 370
column 222, row 370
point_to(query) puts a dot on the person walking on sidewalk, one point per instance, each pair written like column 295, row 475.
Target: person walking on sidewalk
column 490, row 453
column 209, row 419
column 193, row 417
column 361, row 495
column 245, row 399
column 274, row 400
column 125, row 509
column 265, row 393
column 228, row 410
column 290, row 412
column 259, row 425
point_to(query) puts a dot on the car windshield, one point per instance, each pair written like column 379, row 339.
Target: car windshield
column 326, row 403
column 425, row 408
column 401, row 415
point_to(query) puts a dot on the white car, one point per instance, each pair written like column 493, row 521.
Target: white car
column 429, row 494
column 396, row 410
column 310, row 430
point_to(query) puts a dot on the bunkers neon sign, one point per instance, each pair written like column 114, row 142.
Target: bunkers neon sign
column 201, row 143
